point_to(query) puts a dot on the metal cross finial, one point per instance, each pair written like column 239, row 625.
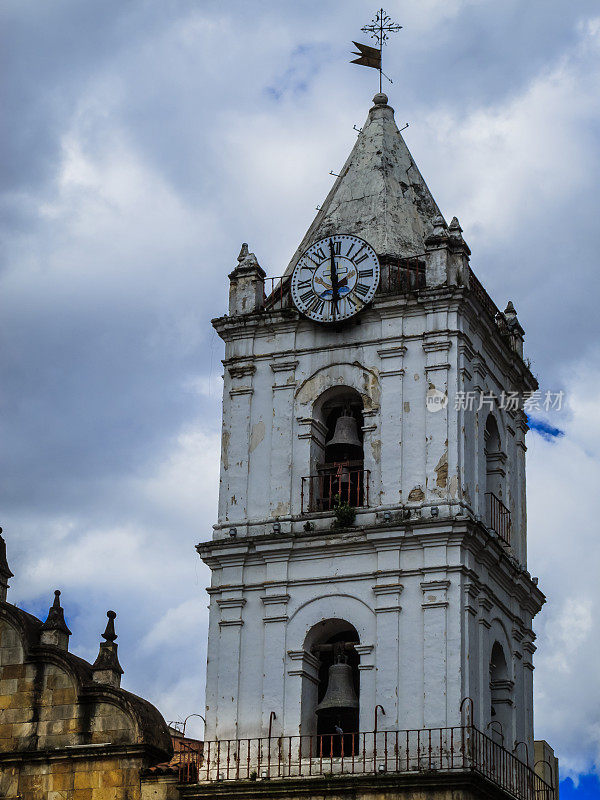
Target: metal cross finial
column 380, row 28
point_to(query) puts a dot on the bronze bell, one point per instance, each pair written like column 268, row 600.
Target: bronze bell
column 340, row 695
column 346, row 432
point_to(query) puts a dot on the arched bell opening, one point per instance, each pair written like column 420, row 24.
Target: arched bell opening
column 501, row 702
column 338, row 458
column 335, row 713
column 497, row 512
column 493, row 471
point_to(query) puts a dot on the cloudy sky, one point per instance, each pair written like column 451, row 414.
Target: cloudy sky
column 142, row 142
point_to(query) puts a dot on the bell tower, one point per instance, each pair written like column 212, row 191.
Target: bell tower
column 369, row 563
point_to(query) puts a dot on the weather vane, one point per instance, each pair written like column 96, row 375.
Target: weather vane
column 380, row 28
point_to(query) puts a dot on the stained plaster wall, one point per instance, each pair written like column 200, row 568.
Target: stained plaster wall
column 428, row 597
column 397, row 356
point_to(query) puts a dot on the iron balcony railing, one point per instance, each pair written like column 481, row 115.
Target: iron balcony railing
column 482, row 296
column 445, row 750
column 492, row 310
column 498, row 516
column 343, row 483
column 398, row 276
column 276, row 293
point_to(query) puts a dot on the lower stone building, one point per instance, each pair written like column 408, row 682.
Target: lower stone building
column 68, row 731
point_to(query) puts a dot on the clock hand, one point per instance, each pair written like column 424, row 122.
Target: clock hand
column 334, row 279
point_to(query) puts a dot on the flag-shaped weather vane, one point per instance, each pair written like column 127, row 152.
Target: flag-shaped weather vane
column 380, row 28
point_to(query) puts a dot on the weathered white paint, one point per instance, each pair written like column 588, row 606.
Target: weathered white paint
column 428, row 594
column 380, row 189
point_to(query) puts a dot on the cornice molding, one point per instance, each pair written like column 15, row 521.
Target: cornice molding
column 241, row 370
column 284, row 366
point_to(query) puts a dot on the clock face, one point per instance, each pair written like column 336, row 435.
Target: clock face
column 335, row 278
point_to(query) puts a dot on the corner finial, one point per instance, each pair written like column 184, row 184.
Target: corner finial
column 247, row 284
column 454, row 227
column 511, row 319
column 106, row 668
column 513, row 326
column 439, row 225
column 5, row 573
column 54, row 631
column 109, row 634
column 380, row 99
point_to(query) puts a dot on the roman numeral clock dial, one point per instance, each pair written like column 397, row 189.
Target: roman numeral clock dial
column 335, row 278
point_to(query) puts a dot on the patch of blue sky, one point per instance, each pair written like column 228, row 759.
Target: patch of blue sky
column 306, row 61
column 40, row 607
column 588, row 788
column 544, row 428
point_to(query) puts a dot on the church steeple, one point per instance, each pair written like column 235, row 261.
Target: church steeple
column 350, row 456
column 380, row 195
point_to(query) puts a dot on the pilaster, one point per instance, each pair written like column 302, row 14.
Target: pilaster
column 230, row 603
column 274, row 599
column 387, row 610
column 236, row 440
column 391, row 376
column 437, row 442
column 368, row 689
column 434, row 606
column 282, row 450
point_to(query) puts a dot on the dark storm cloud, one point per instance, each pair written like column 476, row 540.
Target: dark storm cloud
column 49, row 52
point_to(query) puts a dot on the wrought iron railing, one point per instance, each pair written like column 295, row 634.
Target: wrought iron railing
column 492, row 310
column 277, row 293
column 504, row 769
column 482, row 296
column 456, row 749
column 498, row 516
column 341, row 483
column 400, row 275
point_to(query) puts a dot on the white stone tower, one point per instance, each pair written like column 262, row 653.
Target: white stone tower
column 426, row 593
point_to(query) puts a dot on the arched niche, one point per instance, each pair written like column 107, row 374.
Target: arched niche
column 497, row 515
column 501, row 687
column 332, row 642
column 337, row 458
column 316, row 622
column 343, row 389
column 494, row 471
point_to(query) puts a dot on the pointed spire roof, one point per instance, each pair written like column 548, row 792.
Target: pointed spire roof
column 380, row 195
